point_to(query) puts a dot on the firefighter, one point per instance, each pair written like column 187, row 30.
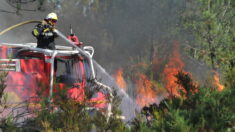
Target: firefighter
column 44, row 32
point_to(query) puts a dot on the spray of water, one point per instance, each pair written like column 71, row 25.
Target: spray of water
column 128, row 106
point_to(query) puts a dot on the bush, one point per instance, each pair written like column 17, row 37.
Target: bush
column 65, row 114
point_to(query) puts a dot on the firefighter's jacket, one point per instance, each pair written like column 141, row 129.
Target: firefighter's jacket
column 45, row 35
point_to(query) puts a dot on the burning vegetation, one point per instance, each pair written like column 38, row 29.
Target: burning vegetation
column 120, row 79
column 174, row 79
column 216, row 81
column 145, row 91
column 174, row 65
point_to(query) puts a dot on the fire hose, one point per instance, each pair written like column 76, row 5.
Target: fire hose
column 17, row 25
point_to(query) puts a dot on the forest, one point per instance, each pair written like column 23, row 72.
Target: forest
column 174, row 59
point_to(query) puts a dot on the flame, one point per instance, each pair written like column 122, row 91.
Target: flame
column 120, row 79
column 146, row 94
column 216, row 82
column 174, row 65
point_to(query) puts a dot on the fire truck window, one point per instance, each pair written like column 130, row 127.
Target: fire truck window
column 61, row 68
column 69, row 71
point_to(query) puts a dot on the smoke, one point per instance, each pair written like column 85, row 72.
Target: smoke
column 121, row 30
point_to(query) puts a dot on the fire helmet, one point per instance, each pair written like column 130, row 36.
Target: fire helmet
column 52, row 16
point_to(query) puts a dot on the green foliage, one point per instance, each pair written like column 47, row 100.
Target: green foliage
column 139, row 124
column 229, row 77
column 65, row 114
column 212, row 110
column 212, row 24
column 171, row 121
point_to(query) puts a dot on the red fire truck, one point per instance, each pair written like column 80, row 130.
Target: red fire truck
column 32, row 69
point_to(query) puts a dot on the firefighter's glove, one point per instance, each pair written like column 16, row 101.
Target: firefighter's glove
column 46, row 30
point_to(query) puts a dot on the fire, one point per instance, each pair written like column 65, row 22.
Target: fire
column 146, row 94
column 120, row 79
column 216, row 82
column 174, row 65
